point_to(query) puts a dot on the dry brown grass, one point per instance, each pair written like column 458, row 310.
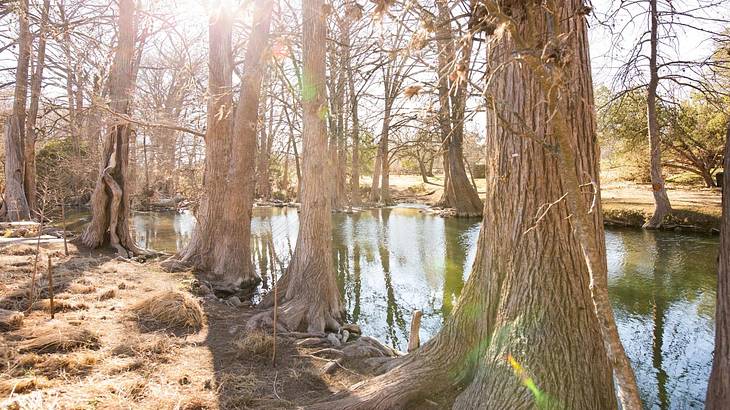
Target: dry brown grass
column 58, row 337
column 195, row 403
column 108, row 294
column 10, row 319
column 18, row 250
column 59, row 305
column 170, row 309
column 55, row 365
column 80, row 288
column 22, row 385
column 240, row 390
column 255, row 344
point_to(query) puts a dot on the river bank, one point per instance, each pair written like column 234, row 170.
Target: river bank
column 111, row 358
column 624, row 203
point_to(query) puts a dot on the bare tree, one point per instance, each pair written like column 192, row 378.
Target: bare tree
column 221, row 241
column 110, row 201
column 15, row 204
column 309, row 294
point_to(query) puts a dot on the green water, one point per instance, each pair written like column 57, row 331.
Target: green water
column 392, row 261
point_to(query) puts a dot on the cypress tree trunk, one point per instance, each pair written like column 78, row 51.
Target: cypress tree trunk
column 110, row 200
column 525, row 333
column 718, row 391
column 309, row 294
column 30, row 124
column 220, row 245
column 15, row 205
column 458, row 192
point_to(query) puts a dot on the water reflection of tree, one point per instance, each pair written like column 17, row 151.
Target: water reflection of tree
column 394, row 315
column 658, row 271
column 661, row 255
column 454, row 272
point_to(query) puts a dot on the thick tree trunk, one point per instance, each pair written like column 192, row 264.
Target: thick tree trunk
column 30, row 123
column 662, row 207
column 221, row 241
column 718, row 391
column 110, row 200
column 309, row 295
column 15, row 205
column 458, row 194
column 524, row 333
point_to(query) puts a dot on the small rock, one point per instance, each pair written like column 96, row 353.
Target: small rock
column 205, row 290
column 332, row 338
column 345, row 335
column 353, row 328
column 234, row 301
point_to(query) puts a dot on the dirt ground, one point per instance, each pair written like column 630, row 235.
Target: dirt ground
column 120, row 362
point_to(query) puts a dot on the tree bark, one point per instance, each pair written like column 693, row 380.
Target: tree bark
column 375, row 184
column 15, row 204
column 662, row 207
column 30, row 123
column 220, row 245
column 110, row 200
column 718, row 391
column 355, row 198
column 524, row 333
column 385, row 198
column 309, row 294
column 458, row 192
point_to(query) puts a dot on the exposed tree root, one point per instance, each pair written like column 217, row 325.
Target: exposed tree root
column 298, row 314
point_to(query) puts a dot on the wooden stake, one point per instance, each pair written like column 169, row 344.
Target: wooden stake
column 414, row 340
column 276, row 302
column 50, row 284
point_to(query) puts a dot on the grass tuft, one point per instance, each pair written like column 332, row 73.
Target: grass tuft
column 254, row 344
column 58, row 338
column 170, row 309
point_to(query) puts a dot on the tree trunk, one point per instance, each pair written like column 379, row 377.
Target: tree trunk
column 220, row 245
column 309, row 295
column 718, row 391
column 458, row 192
column 422, row 169
column 355, row 169
column 524, row 333
column 15, row 205
column 385, row 160
column 375, row 185
column 662, row 207
column 110, row 200
column 30, row 123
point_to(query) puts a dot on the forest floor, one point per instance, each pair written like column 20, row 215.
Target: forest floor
column 110, row 359
column 624, row 203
